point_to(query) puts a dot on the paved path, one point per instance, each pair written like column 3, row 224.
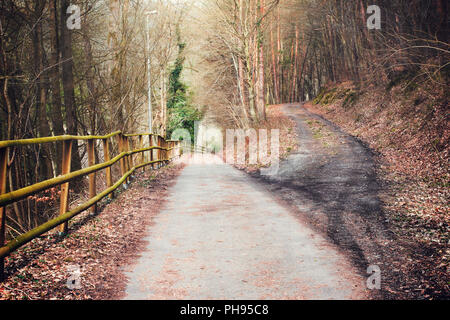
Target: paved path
column 221, row 236
column 331, row 180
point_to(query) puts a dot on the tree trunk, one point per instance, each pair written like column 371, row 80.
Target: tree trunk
column 45, row 165
column 260, row 65
column 241, row 67
column 68, row 82
column 92, row 94
column 54, row 75
column 294, row 77
column 274, row 66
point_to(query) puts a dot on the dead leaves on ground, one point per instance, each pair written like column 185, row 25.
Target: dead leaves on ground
column 99, row 245
column 412, row 142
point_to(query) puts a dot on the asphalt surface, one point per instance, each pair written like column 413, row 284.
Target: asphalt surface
column 221, row 235
column 335, row 189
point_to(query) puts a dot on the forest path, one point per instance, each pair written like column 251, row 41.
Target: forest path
column 222, row 236
column 331, row 183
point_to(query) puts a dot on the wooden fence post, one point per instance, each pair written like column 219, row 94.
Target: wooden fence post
column 158, row 152
column 3, row 173
column 166, row 145
column 156, row 142
column 163, row 152
column 127, row 158
column 121, row 161
column 150, row 144
column 108, row 175
column 150, row 139
column 161, row 141
column 130, row 148
column 169, row 153
column 64, row 198
column 92, row 176
column 127, row 148
column 175, row 148
column 166, row 152
column 141, row 146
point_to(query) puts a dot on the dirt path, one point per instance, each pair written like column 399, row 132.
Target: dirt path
column 222, row 236
column 331, row 183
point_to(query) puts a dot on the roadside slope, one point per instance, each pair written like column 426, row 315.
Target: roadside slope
column 407, row 125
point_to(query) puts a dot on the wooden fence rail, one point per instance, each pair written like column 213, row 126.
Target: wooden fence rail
column 159, row 152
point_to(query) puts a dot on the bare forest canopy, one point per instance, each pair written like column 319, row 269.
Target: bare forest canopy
column 80, row 67
column 258, row 52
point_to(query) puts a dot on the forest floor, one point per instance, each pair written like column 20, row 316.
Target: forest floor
column 100, row 245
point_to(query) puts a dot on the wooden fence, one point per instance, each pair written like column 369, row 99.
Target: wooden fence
column 158, row 152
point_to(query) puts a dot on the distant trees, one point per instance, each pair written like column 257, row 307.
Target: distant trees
column 304, row 44
column 235, row 48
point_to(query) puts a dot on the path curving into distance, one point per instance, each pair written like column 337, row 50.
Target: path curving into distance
column 223, row 236
column 331, row 183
